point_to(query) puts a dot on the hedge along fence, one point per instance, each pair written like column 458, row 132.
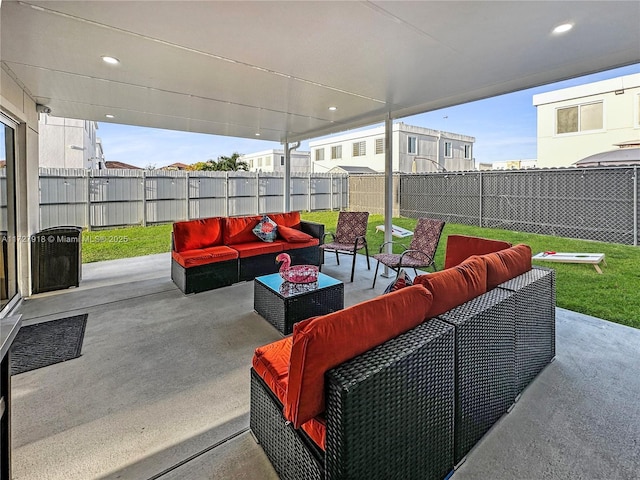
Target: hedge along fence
column 95, row 199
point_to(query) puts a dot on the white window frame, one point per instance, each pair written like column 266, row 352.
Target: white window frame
column 319, row 155
column 467, row 151
column 448, row 152
column 415, row 145
column 336, row 152
column 359, row 149
column 379, row 146
column 579, row 108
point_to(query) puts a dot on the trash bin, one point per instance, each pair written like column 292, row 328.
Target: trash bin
column 56, row 259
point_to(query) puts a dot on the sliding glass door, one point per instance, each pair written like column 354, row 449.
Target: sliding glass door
column 8, row 261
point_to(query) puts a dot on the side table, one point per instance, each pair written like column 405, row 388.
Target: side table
column 282, row 303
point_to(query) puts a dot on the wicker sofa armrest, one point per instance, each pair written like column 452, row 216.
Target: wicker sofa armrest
column 314, row 229
column 390, row 411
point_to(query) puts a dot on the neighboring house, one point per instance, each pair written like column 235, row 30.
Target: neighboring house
column 519, row 164
column 121, row 165
column 273, row 161
column 69, row 143
column 176, row 166
column 414, row 149
column 576, row 122
column 351, row 170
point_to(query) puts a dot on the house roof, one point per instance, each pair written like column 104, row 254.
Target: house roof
column 351, row 170
column 122, row 165
column 183, row 65
column 620, row 156
column 176, row 166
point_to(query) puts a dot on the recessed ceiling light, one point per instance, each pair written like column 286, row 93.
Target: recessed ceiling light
column 109, row 115
column 110, row 60
column 333, row 109
column 258, row 134
column 565, row 27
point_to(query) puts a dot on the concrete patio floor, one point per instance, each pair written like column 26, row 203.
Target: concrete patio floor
column 161, row 390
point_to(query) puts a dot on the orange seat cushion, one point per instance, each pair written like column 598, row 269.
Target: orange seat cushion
column 507, row 264
column 239, row 229
column 316, row 428
column 461, row 247
column 290, row 219
column 454, row 286
column 204, row 256
column 293, row 235
column 194, row 234
column 310, row 243
column 271, row 363
column 322, row 343
column 246, row 250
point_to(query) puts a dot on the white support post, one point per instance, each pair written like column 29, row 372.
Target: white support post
column 388, row 186
column 287, row 178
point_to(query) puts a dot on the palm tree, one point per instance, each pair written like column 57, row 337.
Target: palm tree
column 232, row 163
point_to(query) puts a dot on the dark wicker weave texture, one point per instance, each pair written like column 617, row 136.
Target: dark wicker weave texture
column 288, row 452
column 535, row 328
column 485, row 354
column 283, row 312
column 204, row 277
column 390, row 411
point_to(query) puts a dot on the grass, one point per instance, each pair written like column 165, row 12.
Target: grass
column 612, row 296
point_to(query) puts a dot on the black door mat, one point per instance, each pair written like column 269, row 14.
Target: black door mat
column 46, row 343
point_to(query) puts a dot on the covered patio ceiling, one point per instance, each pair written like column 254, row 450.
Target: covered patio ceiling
column 274, row 68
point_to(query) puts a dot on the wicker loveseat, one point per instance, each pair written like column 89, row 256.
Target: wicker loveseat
column 215, row 252
column 403, row 386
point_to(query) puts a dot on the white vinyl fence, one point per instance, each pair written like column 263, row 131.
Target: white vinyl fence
column 95, row 199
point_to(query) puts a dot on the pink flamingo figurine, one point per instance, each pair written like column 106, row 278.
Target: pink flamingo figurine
column 296, row 273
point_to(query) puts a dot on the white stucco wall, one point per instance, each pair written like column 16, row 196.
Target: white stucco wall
column 66, row 142
column 621, row 120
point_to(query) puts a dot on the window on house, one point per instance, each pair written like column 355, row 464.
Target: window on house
column 281, row 160
column 467, row 151
column 359, row 149
column 319, row 154
column 267, row 161
column 638, row 110
column 579, row 118
column 379, row 146
column 251, row 163
column 336, row 152
column 412, row 145
column 260, row 161
column 448, row 149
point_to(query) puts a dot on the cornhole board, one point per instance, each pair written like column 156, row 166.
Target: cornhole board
column 593, row 258
column 396, row 231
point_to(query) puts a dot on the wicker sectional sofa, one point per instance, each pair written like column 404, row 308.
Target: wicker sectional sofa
column 215, row 252
column 405, row 384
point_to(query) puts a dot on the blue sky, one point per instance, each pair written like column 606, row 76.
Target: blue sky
column 504, row 128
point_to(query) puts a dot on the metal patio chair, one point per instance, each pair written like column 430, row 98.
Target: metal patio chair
column 421, row 251
column 350, row 236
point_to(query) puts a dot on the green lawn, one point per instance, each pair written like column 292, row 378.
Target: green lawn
column 612, row 296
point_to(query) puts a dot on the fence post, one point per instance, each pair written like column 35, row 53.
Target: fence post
column 257, row 193
column 309, row 194
column 635, row 205
column 186, row 195
column 143, row 183
column 481, row 201
column 331, row 191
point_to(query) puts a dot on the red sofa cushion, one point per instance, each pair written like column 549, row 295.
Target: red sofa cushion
column 461, row 247
column 507, row 264
column 271, row 363
column 454, row 286
column 204, row 256
column 292, row 235
column 292, row 246
column 322, row 343
column 254, row 248
column 193, row 234
column 316, row 428
column 239, row 229
column 290, row 219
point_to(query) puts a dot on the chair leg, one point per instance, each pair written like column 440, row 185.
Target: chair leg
column 366, row 251
column 353, row 265
column 337, row 258
column 375, row 275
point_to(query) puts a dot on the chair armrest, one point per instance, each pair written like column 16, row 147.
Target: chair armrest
column 391, row 243
column 314, row 229
column 419, row 253
column 325, row 235
column 173, row 245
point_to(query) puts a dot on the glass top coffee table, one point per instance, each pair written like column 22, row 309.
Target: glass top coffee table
column 282, row 303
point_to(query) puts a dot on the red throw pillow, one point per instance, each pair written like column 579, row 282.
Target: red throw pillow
column 290, row 219
column 507, row 264
column 322, row 343
column 291, row 235
column 456, row 285
column 194, row 234
column 461, row 247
